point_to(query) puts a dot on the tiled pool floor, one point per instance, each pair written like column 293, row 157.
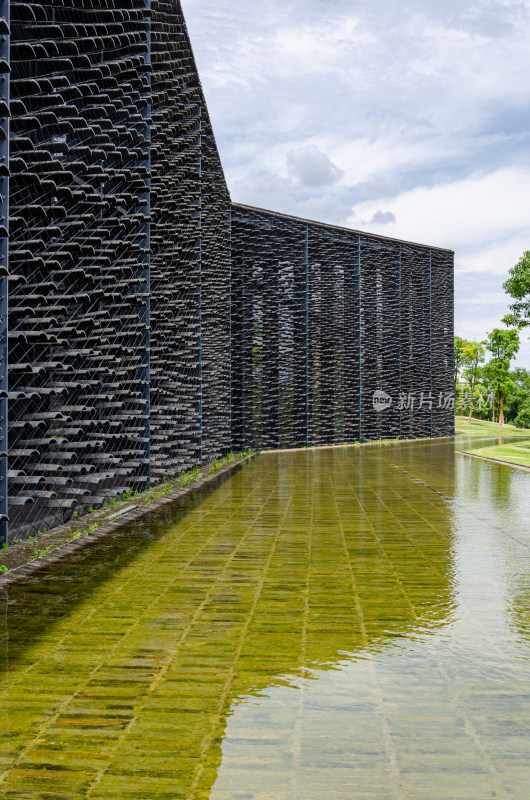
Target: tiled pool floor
column 342, row 624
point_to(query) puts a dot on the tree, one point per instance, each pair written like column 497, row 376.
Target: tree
column 518, row 287
column 483, row 396
column 520, row 396
column 459, row 361
column 488, row 391
column 473, row 355
column 503, row 346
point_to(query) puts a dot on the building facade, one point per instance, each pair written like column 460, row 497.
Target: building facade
column 149, row 324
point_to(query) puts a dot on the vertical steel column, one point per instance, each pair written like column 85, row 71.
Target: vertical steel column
column 230, row 321
column 306, row 332
column 450, row 338
column 146, row 113
column 430, row 344
column 199, row 285
column 400, row 370
column 359, row 337
column 4, row 257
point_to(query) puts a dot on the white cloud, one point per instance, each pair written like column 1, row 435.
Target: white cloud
column 380, row 186
column 483, row 299
column 482, row 217
column 383, row 218
column 351, row 113
column 310, row 167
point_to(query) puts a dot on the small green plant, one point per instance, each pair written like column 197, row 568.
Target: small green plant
column 39, row 553
column 223, row 462
column 4, row 569
column 79, row 533
column 189, row 477
column 5, row 546
column 130, row 495
column 148, row 495
column 33, row 539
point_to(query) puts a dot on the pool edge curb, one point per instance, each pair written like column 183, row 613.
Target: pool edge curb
column 356, row 446
column 494, row 460
column 63, row 551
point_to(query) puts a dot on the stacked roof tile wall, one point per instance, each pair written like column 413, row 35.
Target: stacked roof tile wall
column 152, row 324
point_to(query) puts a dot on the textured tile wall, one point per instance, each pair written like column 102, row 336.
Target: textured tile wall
column 323, row 319
column 152, row 324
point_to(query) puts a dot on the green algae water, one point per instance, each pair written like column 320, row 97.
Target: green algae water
column 349, row 624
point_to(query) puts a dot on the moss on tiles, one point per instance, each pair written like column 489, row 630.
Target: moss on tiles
column 321, row 624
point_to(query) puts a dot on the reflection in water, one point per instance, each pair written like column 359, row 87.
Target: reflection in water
column 333, row 623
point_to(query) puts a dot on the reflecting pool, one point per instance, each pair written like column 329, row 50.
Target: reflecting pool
column 349, row 624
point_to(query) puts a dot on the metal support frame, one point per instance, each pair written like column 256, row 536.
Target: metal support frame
column 4, row 259
column 400, row 377
column 200, row 387
column 146, row 113
column 429, row 291
column 146, row 256
column 359, row 338
column 230, row 329
column 306, row 334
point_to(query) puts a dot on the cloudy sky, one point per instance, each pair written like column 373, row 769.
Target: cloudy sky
column 408, row 119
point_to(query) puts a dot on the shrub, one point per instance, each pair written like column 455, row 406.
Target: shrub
column 523, row 418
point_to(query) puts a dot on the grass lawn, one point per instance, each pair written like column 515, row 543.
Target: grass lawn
column 482, row 428
column 515, row 453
